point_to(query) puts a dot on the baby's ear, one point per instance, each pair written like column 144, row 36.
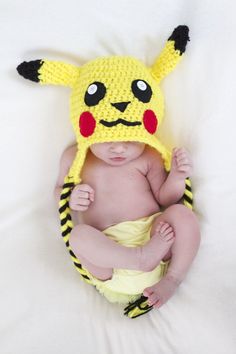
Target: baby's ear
column 171, row 53
column 49, row 72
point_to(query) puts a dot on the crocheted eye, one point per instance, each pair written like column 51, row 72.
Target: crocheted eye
column 141, row 90
column 95, row 93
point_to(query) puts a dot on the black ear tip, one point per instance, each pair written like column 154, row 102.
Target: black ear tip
column 180, row 37
column 182, row 28
column 29, row 70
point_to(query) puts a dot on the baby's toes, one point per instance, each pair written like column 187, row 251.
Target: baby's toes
column 152, row 299
column 161, row 229
column 147, row 292
column 157, row 304
column 169, row 234
column 164, row 226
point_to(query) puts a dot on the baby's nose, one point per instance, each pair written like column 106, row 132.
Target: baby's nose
column 118, row 147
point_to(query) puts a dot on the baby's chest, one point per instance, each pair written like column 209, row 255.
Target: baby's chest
column 115, row 182
column 121, row 194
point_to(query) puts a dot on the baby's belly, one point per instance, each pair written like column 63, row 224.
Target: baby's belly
column 105, row 212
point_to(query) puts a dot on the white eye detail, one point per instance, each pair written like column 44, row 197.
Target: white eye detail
column 92, row 89
column 141, row 85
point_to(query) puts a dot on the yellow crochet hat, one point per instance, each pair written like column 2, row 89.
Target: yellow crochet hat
column 114, row 98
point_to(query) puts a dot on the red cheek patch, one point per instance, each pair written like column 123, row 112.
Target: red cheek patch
column 150, row 121
column 87, row 124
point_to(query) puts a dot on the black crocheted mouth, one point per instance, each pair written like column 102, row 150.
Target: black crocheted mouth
column 118, row 121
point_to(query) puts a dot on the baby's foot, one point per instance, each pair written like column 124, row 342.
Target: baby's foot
column 155, row 250
column 160, row 293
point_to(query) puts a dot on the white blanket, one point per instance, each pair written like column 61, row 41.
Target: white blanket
column 45, row 307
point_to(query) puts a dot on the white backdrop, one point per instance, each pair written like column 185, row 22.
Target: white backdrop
column 45, row 307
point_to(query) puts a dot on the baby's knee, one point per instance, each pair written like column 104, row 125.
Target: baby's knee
column 182, row 215
column 181, row 212
column 78, row 235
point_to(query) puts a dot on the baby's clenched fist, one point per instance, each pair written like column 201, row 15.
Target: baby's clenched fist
column 81, row 197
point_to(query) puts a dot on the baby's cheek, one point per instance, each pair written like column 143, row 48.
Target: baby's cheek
column 150, row 121
column 87, row 124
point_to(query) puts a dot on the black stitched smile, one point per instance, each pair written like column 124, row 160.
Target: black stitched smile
column 118, row 121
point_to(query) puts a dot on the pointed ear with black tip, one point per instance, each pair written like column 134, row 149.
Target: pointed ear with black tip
column 49, row 72
column 171, row 54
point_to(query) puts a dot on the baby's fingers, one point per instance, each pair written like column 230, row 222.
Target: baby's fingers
column 184, row 168
column 85, row 188
column 80, row 208
column 181, row 155
column 84, row 191
column 80, row 205
column 82, row 194
column 182, row 160
column 178, row 152
column 83, row 202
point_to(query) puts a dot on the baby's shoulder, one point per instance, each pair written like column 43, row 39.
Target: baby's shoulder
column 152, row 156
column 150, row 160
column 69, row 154
column 71, row 150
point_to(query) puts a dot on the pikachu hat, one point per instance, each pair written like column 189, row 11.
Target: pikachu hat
column 114, row 98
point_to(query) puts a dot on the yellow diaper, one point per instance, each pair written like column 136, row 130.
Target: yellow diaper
column 127, row 285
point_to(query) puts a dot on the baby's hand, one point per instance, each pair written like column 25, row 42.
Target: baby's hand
column 181, row 163
column 81, row 197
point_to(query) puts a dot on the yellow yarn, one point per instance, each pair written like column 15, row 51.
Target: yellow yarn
column 117, row 73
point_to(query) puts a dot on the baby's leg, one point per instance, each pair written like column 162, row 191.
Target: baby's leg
column 98, row 272
column 183, row 252
column 92, row 244
column 99, row 252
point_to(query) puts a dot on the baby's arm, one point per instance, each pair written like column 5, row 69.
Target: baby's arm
column 170, row 187
column 173, row 188
column 82, row 194
column 65, row 163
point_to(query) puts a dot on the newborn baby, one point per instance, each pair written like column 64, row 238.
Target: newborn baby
column 125, row 183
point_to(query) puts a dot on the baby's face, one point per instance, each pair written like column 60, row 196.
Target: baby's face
column 117, row 153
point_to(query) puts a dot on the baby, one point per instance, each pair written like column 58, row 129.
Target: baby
column 126, row 181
